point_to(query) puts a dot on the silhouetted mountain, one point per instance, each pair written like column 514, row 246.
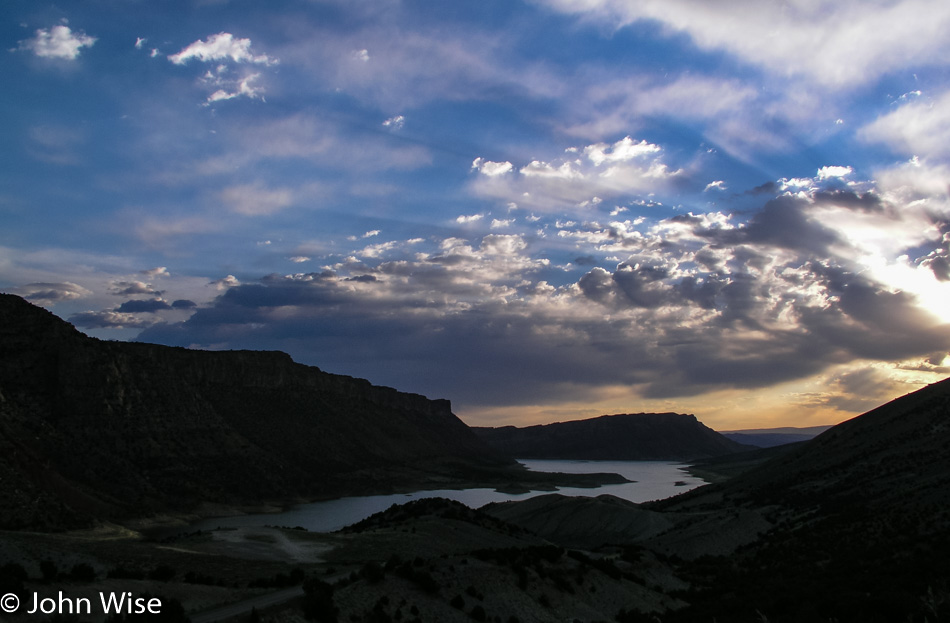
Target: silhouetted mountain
column 633, row 437
column 96, row 429
column 896, row 454
column 771, row 437
column 859, row 523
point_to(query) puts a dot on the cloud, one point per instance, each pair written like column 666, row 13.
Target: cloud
column 697, row 303
column 226, row 282
column 224, row 48
column 310, row 138
column 59, row 42
column 830, row 172
column 256, row 199
column 395, row 123
column 221, row 47
column 137, row 306
column 158, row 271
column 59, row 145
column 397, row 72
column 836, row 43
column 581, row 177
column 491, row 169
column 623, row 150
column 131, row 288
column 51, row 293
column 471, row 218
column 239, row 87
column 918, row 128
column 112, row 320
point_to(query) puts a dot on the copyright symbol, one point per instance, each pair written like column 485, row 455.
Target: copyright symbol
column 9, row 603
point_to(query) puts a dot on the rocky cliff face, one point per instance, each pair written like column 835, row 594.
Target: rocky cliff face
column 631, row 437
column 93, row 429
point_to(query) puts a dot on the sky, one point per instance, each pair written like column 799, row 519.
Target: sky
column 542, row 210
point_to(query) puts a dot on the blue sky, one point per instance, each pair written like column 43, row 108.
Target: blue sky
column 541, row 210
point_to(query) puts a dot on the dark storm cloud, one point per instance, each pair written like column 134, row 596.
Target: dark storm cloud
column 136, row 306
column 936, row 255
column 783, row 222
column 184, row 304
column 870, row 322
column 866, row 202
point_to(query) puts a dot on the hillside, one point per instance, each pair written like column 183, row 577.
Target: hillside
column 859, row 520
column 851, row 526
column 898, row 453
column 633, row 437
column 94, row 429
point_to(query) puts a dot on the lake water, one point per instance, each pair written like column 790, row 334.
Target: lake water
column 654, row 480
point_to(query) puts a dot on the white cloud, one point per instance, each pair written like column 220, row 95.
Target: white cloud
column 240, row 87
column 226, row 282
column 299, row 259
column 564, row 171
column 503, row 244
column 256, row 199
column 920, row 127
column 578, row 182
column 220, row 47
column 131, row 288
column 716, row 185
column 395, row 123
column 623, row 150
column 833, row 42
column 470, row 218
column 834, row 171
column 58, row 42
column 491, row 169
column 140, row 42
column 158, row 271
column 610, row 106
column 501, row 223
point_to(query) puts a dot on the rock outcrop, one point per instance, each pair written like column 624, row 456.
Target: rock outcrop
column 112, row 430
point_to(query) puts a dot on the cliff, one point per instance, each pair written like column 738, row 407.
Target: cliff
column 631, row 437
column 113, row 430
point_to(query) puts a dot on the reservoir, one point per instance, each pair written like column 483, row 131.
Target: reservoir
column 653, row 480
